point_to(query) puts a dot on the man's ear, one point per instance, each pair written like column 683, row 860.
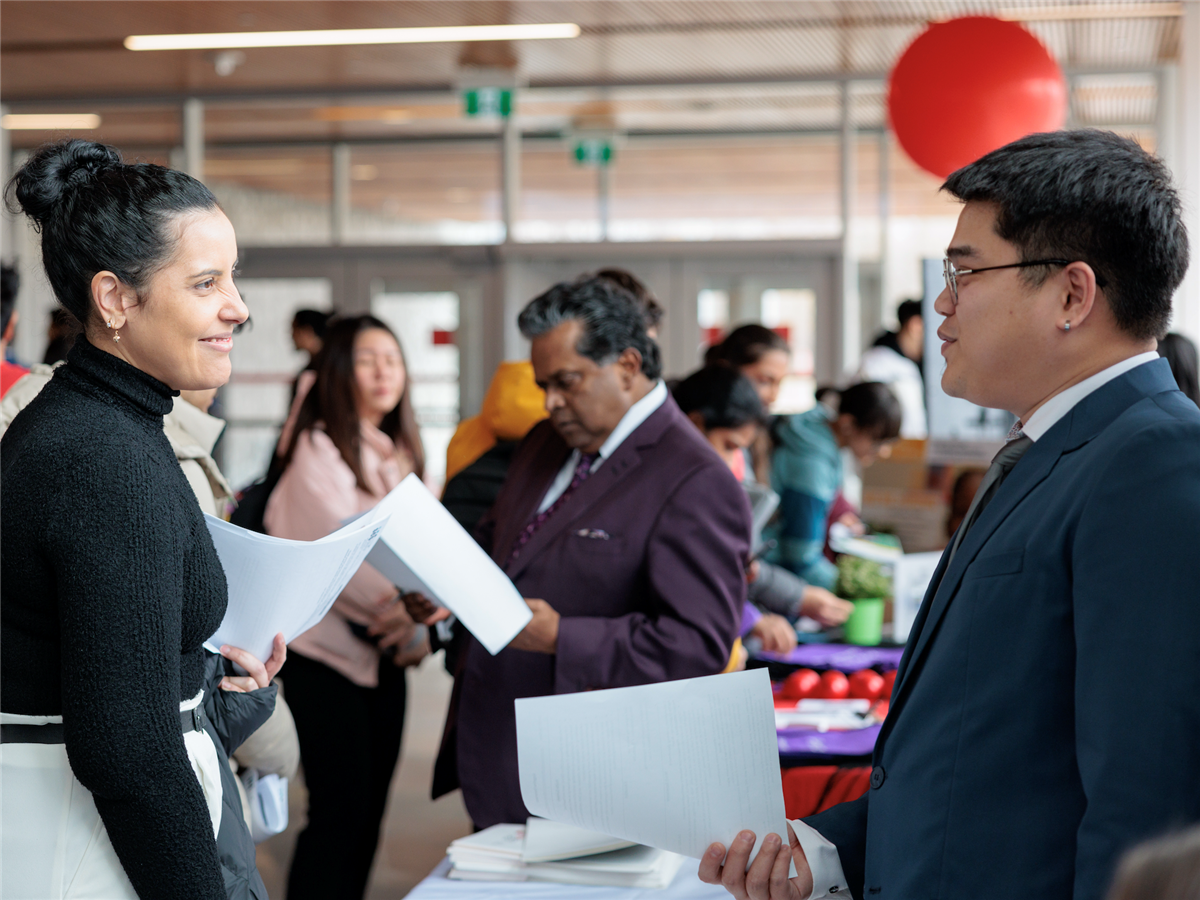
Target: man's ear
column 112, row 298
column 697, row 419
column 10, row 330
column 630, row 366
column 1080, row 295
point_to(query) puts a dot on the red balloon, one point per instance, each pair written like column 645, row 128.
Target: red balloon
column 834, row 686
column 970, row 85
column 800, row 684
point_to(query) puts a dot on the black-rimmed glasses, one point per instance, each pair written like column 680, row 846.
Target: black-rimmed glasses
column 950, row 272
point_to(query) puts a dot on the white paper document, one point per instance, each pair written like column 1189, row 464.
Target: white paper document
column 277, row 585
column 913, row 573
column 424, row 549
column 675, row 765
column 547, row 841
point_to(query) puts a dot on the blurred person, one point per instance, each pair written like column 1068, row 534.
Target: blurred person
column 1002, row 773
column 652, row 311
column 1166, row 868
column 629, row 534
column 807, row 473
column 10, row 372
column 1180, row 354
column 60, row 336
column 966, row 485
column 308, row 332
column 896, row 359
column 763, row 356
column 354, row 438
column 482, row 447
column 112, row 583
column 724, row 405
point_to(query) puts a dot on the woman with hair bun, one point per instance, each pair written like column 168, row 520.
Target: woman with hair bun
column 112, row 779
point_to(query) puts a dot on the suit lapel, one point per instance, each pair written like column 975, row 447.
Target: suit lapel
column 1087, row 419
column 625, row 459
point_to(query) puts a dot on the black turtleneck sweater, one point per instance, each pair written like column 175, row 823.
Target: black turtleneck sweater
column 110, row 586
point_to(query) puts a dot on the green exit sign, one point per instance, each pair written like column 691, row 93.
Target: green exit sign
column 593, row 151
column 488, row 102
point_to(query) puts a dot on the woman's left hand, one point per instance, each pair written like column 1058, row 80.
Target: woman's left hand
column 259, row 674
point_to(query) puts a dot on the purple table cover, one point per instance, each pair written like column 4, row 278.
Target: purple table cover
column 843, row 657
column 805, row 743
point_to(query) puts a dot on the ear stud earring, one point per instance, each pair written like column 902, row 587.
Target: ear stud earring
column 1067, row 326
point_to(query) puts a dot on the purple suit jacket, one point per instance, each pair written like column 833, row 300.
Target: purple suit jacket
column 645, row 563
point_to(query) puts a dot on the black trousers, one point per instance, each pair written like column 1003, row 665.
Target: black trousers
column 349, row 744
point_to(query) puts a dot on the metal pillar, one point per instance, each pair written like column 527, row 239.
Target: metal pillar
column 851, row 315
column 7, row 223
column 510, row 172
column 885, row 221
column 193, row 138
column 603, row 183
column 340, row 205
column 1187, row 165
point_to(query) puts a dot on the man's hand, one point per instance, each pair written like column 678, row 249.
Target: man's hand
column 818, row 603
column 422, row 609
column 258, row 674
column 767, row 878
column 776, row 633
column 394, row 627
column 541, row 634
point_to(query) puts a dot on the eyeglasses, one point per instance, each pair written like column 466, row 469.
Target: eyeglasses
column 950, row 272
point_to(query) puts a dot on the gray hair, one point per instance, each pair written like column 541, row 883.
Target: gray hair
column 612, row 321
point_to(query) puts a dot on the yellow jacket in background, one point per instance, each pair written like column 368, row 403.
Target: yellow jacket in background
column 513, row 405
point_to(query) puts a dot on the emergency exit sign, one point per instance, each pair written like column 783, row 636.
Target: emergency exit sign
column 593, row 151
column 487, row 102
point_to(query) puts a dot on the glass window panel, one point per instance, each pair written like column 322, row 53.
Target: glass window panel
column 426, row 193
column 274, row 195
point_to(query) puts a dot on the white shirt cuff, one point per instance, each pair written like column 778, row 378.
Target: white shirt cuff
column 829, row 881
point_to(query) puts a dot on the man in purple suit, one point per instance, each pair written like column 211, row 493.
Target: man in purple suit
column 624, row 523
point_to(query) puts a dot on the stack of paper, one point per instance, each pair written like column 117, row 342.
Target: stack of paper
column 550, row 851
column 277, row 585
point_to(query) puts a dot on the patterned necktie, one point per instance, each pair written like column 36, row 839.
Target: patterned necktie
column 1002, row 464
column 582, row 470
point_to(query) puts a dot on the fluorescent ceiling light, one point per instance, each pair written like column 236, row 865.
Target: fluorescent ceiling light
column 49, row 121
column 1072, row 11
column 347, row 36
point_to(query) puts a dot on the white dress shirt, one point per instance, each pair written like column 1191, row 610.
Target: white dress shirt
column 634, row 416
column 828, row 878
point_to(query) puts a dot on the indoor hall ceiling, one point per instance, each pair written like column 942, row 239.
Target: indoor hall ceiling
column 647, row 67
column 72, row 49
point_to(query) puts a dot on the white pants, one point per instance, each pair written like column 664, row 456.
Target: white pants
column 53, row 844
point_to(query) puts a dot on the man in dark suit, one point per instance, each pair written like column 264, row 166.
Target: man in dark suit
column 619, row 517
column 1045, row 715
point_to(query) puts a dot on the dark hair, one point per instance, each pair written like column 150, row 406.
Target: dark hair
column 1180, row 353
column 10, row 283
column 612, row 320
column 723, row 397
column 313, row 319
column 1091, row 196
column 746, row 345
column 96, row 214
column 1167, row 868
column 907, row 310
column 873, row 407
column 652, row 311
column 331, row 401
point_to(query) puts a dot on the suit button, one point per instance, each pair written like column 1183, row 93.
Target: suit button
column 878, row 776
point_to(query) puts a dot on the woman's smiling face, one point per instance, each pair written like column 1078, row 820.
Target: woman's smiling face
column 181, row 329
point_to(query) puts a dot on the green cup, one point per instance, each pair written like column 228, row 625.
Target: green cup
column 865, row 625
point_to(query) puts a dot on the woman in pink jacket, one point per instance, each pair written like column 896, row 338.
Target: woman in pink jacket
column 354, row 437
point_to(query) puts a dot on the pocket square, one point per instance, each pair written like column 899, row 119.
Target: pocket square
column 596, row 534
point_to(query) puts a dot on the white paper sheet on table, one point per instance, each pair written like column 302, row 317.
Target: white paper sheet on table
column 277, row 585
column 675, row 765
column 424, row 549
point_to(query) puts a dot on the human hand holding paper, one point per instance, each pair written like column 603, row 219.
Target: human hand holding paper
column 764, row 879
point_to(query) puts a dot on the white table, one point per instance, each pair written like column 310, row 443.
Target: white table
column 437, row 886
